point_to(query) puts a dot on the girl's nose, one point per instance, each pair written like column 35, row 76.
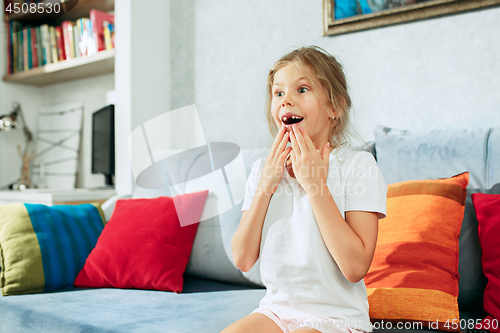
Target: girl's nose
column 286, row 101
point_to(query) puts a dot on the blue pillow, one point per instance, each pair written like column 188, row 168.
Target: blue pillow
column 44, row 248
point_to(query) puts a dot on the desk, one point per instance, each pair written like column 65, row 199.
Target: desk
column 56, row 196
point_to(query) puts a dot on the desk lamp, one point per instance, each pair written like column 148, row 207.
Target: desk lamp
column 8, row 122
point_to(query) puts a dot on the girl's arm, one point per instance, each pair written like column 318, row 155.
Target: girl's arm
column 352, row 241
column 246, row 241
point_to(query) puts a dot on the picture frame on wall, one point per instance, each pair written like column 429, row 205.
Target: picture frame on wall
column 342, row 16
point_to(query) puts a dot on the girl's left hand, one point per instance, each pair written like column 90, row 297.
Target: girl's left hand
column 310, row 168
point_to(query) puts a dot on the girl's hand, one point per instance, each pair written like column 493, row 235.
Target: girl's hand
column 310, row 168
column 274, row 166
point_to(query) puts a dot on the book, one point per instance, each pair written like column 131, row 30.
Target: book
column 14, row 41
column 20, row 47
column 47, row 57
column 39, row 46
column 81, row 45
column 108, row 35
column 34, row 48
column 67, row 28
column 60, row 44
column 97, row 17
column 26, row 53
column 53, row 45
column 76, row 41
column 9, row 48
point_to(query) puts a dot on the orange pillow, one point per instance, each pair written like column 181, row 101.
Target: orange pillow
column 414, row 273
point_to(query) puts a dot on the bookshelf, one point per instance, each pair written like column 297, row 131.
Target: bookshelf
column 101, row 63
column 71, row 69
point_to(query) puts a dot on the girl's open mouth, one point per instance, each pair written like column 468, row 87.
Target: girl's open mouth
column 288, row 121
column 291, row 120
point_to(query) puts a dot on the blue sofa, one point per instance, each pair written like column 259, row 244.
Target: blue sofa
column 216, row 293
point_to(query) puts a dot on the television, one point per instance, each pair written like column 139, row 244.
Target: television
column 103, row 143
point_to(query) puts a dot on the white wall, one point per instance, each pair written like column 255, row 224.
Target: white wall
column 142, row 74
column 150, row 41
column 123, row 85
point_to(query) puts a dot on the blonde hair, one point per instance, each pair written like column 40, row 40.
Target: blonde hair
column 328, row 74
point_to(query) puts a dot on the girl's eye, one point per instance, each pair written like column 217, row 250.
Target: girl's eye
column 279, row 93
column 303, row 90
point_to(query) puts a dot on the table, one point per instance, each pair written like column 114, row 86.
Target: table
column 56, row 196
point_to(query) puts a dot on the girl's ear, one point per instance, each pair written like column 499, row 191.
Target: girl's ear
column 334, row 113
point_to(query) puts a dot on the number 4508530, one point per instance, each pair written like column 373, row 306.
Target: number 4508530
column 455, row 324
column 33, row 8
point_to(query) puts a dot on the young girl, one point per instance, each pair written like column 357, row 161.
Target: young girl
column 311, row 210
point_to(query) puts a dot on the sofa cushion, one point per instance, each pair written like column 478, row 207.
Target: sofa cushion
column 472, row 279
column 422, row 154
column 44, row 248
column 128, row 310
column 211, row 255
column 493, row 161
column 488, row 214
column 414, row 272
column 144, row 245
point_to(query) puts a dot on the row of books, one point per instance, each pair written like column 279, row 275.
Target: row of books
column 30, row 47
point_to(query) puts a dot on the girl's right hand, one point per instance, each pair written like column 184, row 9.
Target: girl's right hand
column 275, row 164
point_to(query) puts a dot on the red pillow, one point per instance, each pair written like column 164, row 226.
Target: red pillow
column 487, row 208
column 144, row 246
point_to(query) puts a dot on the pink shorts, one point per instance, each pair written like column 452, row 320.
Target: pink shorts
column 322, row 324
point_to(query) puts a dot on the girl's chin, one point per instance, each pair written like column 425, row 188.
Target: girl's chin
column 289, row 128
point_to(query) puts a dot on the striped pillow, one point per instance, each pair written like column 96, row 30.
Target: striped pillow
column 414, row 272
column 43, row 248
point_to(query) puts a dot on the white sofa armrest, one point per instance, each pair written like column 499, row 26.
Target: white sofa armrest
column 109, row 205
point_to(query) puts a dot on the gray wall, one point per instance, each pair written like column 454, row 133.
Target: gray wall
column 435, row 73
column 440, row 72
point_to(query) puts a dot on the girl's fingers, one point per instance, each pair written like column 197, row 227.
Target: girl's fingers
column 277, row 140
column 325, row 151
column 283, row 143
column 284, row 154
column 300, row 140
column 307, row 140
column 280, row 149
column 295, row 145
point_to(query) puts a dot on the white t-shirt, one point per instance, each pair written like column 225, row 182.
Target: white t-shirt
column 295, row 265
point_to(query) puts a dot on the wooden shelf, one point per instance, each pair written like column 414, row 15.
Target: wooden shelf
column 101, row 63
column 78, row 10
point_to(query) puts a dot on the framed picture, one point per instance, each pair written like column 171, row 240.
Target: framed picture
column 341, row 16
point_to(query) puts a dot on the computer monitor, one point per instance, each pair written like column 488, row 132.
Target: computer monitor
column 103, row 143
